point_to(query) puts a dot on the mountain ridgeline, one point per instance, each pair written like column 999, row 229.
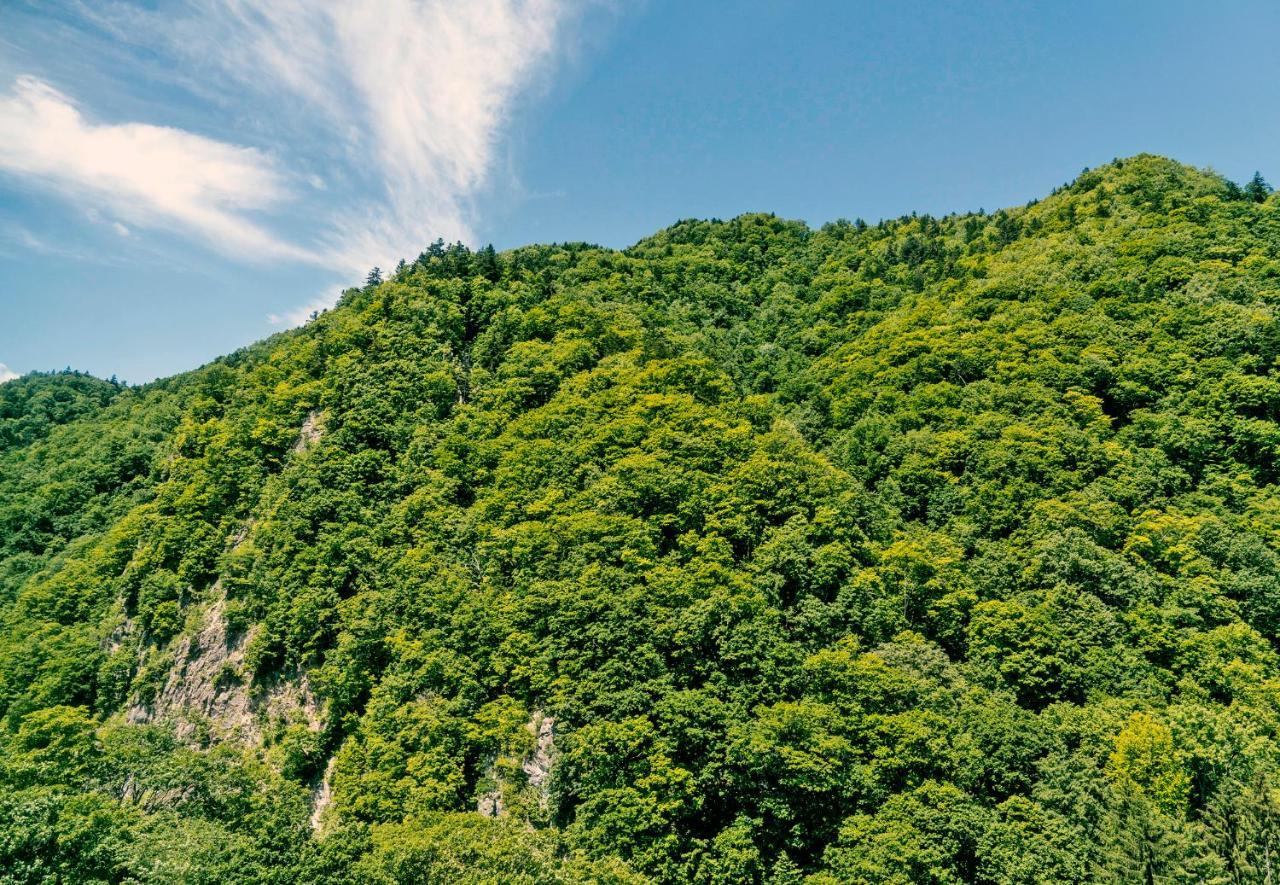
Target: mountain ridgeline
column 938, row 550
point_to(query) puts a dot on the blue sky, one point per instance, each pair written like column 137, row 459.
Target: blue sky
column 178, row 179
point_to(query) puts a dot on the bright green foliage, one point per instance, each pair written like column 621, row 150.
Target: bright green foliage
column 1145, row 762
column 941, row 550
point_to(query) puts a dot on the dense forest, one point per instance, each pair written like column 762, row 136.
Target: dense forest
column 932, row 551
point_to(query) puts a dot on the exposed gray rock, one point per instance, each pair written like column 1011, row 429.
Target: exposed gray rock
column 536, row 765
column 242, row 535
column 206, row 678
column 121, row 632
column 490, row 803
column 208, row 685
column 312, row 428
column 322, row 796
column 209, row 691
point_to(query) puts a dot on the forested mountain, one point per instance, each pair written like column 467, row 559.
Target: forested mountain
column 938, row 550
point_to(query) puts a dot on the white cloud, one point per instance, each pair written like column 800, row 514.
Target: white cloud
column 299, row 315
column 96, row 217
column 395, row 107
column 149, row 175
column 18, row 241
column 7, row 374
column 418, row 92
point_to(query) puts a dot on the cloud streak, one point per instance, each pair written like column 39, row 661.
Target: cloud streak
column 383, row 119
column 296, row 316
column 418, row 92
column 7, row 374
column 150, row 176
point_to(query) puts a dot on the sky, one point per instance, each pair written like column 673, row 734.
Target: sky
column 179, row 179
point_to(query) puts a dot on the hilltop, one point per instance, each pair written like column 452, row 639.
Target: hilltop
column 935, row 550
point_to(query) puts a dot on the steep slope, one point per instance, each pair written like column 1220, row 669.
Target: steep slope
column 937, row 550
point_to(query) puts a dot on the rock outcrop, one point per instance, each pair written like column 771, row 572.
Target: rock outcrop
column 312, row 429
column 209, row 687
column 536, row 766
column 209, row 693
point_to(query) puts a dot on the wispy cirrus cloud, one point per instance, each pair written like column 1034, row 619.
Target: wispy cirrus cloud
column 380, row 120
column 296, row 316
column 147, row 175
column 418, row 92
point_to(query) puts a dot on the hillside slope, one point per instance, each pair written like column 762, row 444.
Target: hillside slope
column 938, row 550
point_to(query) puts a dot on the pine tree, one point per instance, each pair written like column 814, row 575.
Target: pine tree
column 458, row 260
column 1257, row 190
column 486, row 264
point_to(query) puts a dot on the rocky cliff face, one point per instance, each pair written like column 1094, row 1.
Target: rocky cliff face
column 209, row 693
column 537, row 765
column 526, row 783
column 309, row 435
column 209, row 689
